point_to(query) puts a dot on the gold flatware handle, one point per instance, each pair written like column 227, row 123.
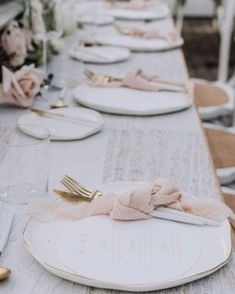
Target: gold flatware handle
column 4, row 273
column 72, row 196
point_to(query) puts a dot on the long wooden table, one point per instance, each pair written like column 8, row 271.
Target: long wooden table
column 128, row 148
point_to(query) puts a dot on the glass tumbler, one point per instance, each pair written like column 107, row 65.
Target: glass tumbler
column 24, row 166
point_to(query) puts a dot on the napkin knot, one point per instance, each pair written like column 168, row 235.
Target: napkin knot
column 133, row 205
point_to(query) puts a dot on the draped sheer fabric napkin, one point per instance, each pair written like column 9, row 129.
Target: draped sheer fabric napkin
column 148, row 33
column 139, row 80
column 21, row 87
column 133, row 205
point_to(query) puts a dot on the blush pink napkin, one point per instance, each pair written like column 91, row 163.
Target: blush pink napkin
column 139, row 80
column 133, row 205
column 149, row 33
column 21, row 87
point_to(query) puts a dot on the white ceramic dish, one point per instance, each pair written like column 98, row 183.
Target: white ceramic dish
column 61, row 130
column 97, row 54
column 158, row 12
column 130, row 101
column 132, row 256
column 100, row 19
column 137, row 44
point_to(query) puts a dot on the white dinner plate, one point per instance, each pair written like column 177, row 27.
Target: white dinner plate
column 97, row 54
column 128, row 255
column 137, row 44
column 130, row 101
column 159, row 11
column 99, row 19
column 62, row 130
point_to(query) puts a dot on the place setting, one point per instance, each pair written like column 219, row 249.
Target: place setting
column 136, row 9
column 107, row 11
column 164, row 236
column 138, row 93
column 140, row 37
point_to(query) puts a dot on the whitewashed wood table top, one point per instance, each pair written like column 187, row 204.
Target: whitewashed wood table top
column 128, row 148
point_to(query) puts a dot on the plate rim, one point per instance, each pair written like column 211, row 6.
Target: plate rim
column 116, row 110
column 120, row 59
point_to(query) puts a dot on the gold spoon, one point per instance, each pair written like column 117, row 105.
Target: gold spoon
column 60, row 102
column 4, row 273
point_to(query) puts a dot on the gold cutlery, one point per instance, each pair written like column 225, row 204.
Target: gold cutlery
column 74, row 187
column 126, row 31
column 161, row 212
column 71, row 196
column 64, row 117
column 105, row 79
column 94, row 77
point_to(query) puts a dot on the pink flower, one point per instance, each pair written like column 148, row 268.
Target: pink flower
column 21, row 87
column 14, row 44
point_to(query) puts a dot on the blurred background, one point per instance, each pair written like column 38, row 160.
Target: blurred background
column 201, row 29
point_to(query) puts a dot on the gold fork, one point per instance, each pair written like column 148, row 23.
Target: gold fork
column 100, row 77
column 74, row 187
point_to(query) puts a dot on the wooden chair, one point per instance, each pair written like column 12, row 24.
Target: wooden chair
column 229, row 197
column 213, row 99
column 224, row 12
column 221, row 142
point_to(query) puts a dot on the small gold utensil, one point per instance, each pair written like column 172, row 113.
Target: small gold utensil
column 60, row 102
column 64, row 117
column 75, row 188
column 4, row 273
column 71, row 196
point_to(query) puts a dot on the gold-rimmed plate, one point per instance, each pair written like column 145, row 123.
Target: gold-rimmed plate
column 143, row 248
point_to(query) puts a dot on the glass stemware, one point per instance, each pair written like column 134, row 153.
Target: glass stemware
column 54, row 30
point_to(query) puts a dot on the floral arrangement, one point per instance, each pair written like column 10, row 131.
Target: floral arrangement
column 20, row 46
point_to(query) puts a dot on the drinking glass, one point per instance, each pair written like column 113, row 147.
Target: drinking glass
column 51, row 34
column 24, row 165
